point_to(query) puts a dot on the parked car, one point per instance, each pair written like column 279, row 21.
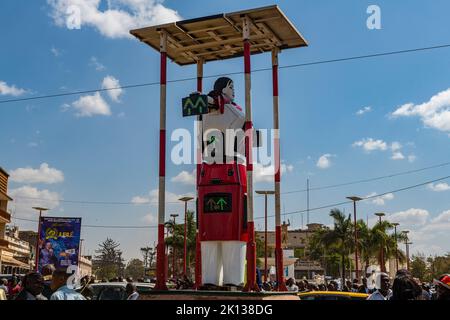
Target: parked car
column 116, row 290
column 332, row 295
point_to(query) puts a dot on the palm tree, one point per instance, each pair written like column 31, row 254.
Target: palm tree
column 341, row 238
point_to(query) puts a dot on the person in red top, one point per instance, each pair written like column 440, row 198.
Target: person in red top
column 14, row 286
column 443, row 287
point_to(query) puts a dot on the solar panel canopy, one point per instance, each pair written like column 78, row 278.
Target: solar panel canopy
column 219, row 37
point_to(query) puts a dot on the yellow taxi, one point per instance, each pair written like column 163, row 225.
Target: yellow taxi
column 332, row 295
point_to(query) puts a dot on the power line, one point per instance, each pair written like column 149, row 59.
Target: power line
column 370, row 179
column 283, row 193
column 363, row 199
column 288, row 213
column 97, row 202
column 98, row 226
column 312, row 63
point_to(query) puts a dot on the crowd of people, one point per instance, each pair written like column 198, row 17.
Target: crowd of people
column 56, row 284
column 403, row 287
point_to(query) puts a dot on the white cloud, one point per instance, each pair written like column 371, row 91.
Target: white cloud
column 150, row 218
column 152, row 197
column 96, row 64
column 88, row 106
column 410, row 217
column 397, row 156
column 363, row 111
column 55, row 52
column 27, row 197
column 369, row 144
column 324, row 161
column 266, row 173
column 381, row 200
column 118, row 18
column 412, row 158
column 109, row 82
column 7, row 90
column 438, row 187
column 434, row 113
column 44, row 174
column 185, row 177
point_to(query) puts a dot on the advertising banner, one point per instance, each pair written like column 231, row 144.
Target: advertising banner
column 59, row 241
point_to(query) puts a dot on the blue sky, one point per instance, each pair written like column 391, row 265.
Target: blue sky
column 56, row 152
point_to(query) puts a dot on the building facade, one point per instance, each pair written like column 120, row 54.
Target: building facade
column 295, row 241
column 8, row 254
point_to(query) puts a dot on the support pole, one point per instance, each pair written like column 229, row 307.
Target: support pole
column 251, row 284
column 356, row 240
column 265, row 238
column 281, row 286
column 161, row 256
column 36, row 267
column 185, row 240
column 198, row 250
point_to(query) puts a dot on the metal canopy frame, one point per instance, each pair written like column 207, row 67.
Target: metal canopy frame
column 219, row 37
column 213, row 38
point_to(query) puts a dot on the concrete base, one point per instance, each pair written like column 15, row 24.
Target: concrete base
column 217, row 295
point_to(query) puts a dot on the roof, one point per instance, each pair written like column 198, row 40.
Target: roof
column 219, row 37
column 4, row 171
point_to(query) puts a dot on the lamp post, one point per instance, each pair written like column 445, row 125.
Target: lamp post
column 395, row 224
column 407, row 254
column 185, row 200
column 405, row 232
column 355, row 199
column 382, row 267
column 36, row 261
column 174, row 216
column 265, row 193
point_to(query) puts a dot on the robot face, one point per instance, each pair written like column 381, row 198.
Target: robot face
column 228, row 91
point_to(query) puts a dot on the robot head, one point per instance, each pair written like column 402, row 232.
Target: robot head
column 225, row 86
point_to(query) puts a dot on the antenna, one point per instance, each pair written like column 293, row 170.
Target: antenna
column 307, row 201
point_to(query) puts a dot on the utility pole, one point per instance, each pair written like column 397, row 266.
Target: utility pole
column 185, row 200
column 383, row 266
column 40, row 209
column 395, row 224
column 174, row 216
column 355, row 199
column 265, row 193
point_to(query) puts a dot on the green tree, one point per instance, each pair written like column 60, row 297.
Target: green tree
column 108, row 262
column 176, row 239
column 418, row 266
column 134, row 269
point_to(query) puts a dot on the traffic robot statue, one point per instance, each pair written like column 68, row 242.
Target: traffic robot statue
column 222, row 186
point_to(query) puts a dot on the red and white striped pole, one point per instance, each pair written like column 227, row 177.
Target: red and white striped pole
column 251, row 284
column 161, row 255
column 281, row 286
column 198, row 250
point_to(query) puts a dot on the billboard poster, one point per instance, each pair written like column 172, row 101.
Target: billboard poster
column 59, row 241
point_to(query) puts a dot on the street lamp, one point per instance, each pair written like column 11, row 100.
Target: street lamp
column 355, row 199
column 395, row 224
column 407, row 254
column 185, row 200
column 36, row 263
column 383, row 267
column 407, row 243
column 265, row 193
column 174, row 216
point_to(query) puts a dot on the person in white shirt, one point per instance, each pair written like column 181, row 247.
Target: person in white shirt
column 62, row 289
column 383, row 291
column 291, row 286
column 132, row 291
